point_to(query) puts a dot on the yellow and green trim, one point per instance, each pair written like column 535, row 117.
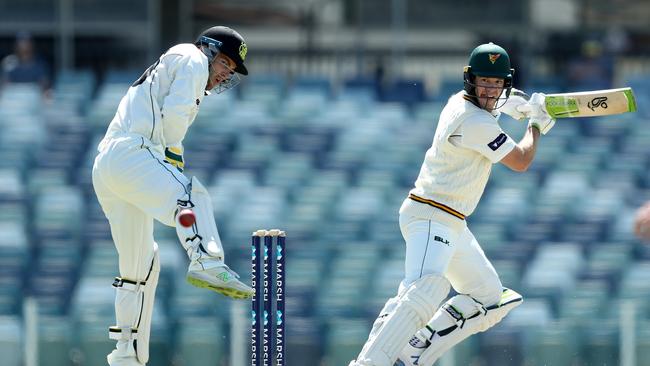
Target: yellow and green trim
column 174, row 157
column 437, row 205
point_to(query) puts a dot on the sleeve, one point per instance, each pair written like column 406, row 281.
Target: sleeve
column 189, row 77
column 486, row 137
column 174, row 156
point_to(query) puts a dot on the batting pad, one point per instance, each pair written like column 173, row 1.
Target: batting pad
column 415, row 306
column 388, row 309
column 481, row 320
column 134, row 302
column 201, row 241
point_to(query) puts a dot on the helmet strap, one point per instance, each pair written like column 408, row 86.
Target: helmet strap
column 469, row 86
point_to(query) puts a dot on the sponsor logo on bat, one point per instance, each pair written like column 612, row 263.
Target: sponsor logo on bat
column 556, row 102
column 597, row 102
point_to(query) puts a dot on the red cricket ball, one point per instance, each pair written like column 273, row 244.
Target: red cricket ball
column 186, row 217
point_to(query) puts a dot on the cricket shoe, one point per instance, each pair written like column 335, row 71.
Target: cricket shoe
column 410, row 354
column 213, row 274
column 114, row 359
column 124, row 354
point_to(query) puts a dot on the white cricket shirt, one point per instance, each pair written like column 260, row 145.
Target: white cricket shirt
column 468, row 140
column 163, row 103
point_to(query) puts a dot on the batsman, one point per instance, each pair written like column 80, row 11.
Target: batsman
column 441, row 251
column 137, row 177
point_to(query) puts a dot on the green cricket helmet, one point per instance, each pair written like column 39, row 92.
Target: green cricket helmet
column 488, row 60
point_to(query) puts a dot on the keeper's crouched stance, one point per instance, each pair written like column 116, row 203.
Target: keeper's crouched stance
column 137, row 177
column 441, row 251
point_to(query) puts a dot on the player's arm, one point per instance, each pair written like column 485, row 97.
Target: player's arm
column 521, row 156
column 483, row 134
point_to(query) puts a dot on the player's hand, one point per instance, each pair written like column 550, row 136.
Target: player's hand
column 642, row 222
column 536, row 111
column 511, row 107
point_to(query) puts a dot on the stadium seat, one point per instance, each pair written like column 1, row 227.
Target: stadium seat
column 345, row 339
column 11, row 340
column 552, row 345
column 200, row 341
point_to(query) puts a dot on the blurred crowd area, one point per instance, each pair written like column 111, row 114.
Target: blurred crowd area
column 566, row 43
column 324, row 140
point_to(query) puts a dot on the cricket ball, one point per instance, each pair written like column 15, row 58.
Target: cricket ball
column 186, row 217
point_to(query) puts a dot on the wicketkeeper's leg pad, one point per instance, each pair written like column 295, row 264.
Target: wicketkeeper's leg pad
column 134, row 302
column 415, row 305
column 201, row 241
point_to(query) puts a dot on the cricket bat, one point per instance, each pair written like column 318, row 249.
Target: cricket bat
column 590, row 103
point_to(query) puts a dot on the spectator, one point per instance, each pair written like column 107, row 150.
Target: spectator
column 24, row 65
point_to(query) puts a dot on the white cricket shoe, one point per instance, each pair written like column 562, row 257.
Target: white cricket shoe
column 123, row 355
column 115, row 359
column 213, row 274
column 359, row 363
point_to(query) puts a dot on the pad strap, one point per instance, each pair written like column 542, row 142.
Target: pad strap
column 128, row 284
column 122, row 334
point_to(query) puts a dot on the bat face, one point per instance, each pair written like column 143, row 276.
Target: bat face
column 591, row 103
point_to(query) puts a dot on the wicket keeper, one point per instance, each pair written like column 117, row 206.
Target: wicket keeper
column 138, row 177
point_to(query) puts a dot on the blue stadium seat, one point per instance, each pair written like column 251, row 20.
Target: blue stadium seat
column 345, row 338
column 200, row 341
column 11, row 340
column 55, row 340
column 409, row 92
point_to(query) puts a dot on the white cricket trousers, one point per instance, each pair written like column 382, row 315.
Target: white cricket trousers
column 134, row 186
column 433, row 248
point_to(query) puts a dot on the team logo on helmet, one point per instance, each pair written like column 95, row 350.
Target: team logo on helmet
column 493, row 57
column 243, row 50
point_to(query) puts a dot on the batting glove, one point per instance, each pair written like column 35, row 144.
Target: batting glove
column 535, row 109
column 517, row 99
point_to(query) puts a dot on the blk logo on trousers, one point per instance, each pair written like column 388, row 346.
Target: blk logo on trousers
column 442, row 240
